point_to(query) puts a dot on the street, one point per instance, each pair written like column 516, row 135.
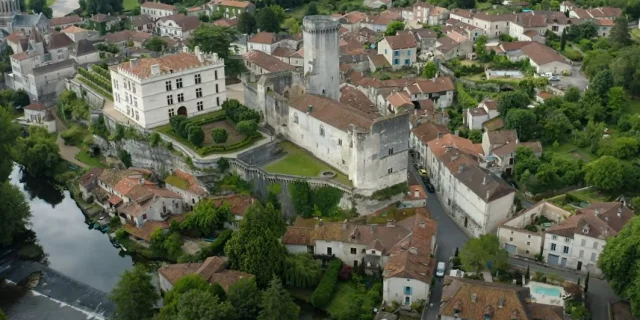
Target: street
column 450, row 236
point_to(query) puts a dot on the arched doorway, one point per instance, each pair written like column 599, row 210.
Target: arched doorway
column 182, row 111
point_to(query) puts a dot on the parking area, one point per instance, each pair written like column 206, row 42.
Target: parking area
column 576, row 79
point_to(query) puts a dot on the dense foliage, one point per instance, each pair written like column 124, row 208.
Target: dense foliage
column 324, row 291
column 320, row 202
column 245, row 297
column 301, row 271
column 277, row 304
column 134, row 296
column 238, row 112
column 206, row 218
column 211, row 38
column 219, row 135
column 39, row 153
column 483, row 253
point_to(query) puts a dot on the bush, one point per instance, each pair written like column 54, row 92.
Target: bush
column 323, row 293
column 196, row 135
column 238, row 112
column 391, row 191
column 217, row 246
column 247, row 127
column 73, row 136
column 101, row 71
column 154, row 139
column 219, row 135
column 120, row 233
column 125, row 157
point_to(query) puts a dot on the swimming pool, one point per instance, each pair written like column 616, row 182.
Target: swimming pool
column 546, row 290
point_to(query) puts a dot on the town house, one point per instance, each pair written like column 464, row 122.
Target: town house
column 187, row 186
column 399, row 50
column 440, row 90
column 157, row 10
column 499, row 148
column 177, row 26
column 486, row 110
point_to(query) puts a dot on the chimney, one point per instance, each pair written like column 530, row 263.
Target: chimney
column 413, row 250
column 474, row 297
column 155, row 69
column 344, row 224
column 320, row 223
column 416, row 194
column 185, row 49
column 597, row 212
column 390, row 223
column 309, row 109
column 620, row 210
column 422, row 224
column 133, row 62
column 198, row 54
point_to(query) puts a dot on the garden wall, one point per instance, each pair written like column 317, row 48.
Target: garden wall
column 84, row 92
column 158, row 159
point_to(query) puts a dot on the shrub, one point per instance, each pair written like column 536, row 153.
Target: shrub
column 196, row 135
column 219, row 135
column 120, row 233
column 247, row 127
column 223, row 164
column 323, row 293
column 125, row 157
column 238, row 112
column 154, row 139
column 391, row 191
column 73, row 136
column 217, row 246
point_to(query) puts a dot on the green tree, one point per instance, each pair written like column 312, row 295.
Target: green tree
column 40, row 6
column 465, row 4
column 512, row 100
column 267, row 20
column 9, row 133
column 619, row 36
column 312, row 9
column 595, row 61
column 247, row 127
column 103, row 6
column 246, row 23
column 134, row 296
column 156, row 44
column 189, row 283
column 255, row 248
column 211, row 38
column 563, row 40
column 125, row 157
column 277, row 304
column 301, row 271
column 207, row 218
column 482, row 253
column 219, row 135
column 572, row 95
column 202, row 305
column 394, row 27
column 15, row 219
column 475, row 135
column 635, row 203
column 430, row 70
column 300, row 192
column 293, row 25
column 601, row 83
column 606, row 174
column 523, row 121
column 326, row 199
column 586, row 283
column 245, row 299
column 620, row 147
column 480, row 47
column 617, row 101
column 557, row 127
column 196, row 135
column 39, row 152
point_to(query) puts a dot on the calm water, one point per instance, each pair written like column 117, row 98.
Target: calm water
column 72, row 248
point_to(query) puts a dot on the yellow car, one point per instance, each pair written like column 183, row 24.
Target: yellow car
column 423, row 172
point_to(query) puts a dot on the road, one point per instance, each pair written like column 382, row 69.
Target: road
column 450, row 236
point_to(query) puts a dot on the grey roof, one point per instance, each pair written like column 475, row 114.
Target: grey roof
column 84, row 46
column 27, row 20
column 140, row 20
column 53, row 67
column 59, row 40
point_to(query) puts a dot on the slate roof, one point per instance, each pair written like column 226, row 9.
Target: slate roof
column 69, row 63
column 54, row 22
column 84, row 47
column 59, row 40
column 27, row 20
column 267, row 61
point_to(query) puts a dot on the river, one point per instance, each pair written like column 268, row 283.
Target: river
column 71, row 248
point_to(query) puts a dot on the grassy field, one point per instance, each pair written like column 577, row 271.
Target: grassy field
column 85, row 158
column 299, row 162
column 128, row 4
column 591, row 196
column 177, row 181
column 571, row 151
column 396, row 214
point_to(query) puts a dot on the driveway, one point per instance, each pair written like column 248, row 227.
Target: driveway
column 576, row 79
column 450, row 236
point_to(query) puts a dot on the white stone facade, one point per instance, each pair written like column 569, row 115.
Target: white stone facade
column 405, row 291
column 151, row 101
column 321, row 59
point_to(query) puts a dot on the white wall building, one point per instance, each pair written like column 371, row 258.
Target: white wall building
column 157, row 10
column 440, row 90
column 486, row 110
column 151, row 90
column 177, row 26
column 399, row 50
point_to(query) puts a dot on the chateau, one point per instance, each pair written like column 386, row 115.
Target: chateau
column 308, row 109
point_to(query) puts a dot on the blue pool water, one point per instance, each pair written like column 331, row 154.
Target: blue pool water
column 547, row 291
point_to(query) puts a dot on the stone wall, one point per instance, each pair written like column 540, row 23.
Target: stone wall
column 95, row 100
column 158, row 159
column 262, row 154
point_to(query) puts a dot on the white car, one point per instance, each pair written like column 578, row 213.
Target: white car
column 440, row 269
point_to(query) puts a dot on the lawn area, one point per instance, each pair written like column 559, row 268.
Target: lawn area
column 590, row 195
column 85, row 158
column 392, row 213
column 571, row 151
column 635, row 34
column 300, row 162
column 572, row 54
column 480, row 77
column 177, row 181
column 128, row 4
column 341, row 297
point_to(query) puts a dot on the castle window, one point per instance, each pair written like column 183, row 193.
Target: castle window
column 200, row 105
column 215, row 74
column 181, row 97
column 295, row 117
column 217, row 90
column 390, row 170
column 322, row 131
column 199, row 93
column 339, row 142
column 168, row 85
column 171, row 113
column 390, row 151
column 197, row 78
column 178, row 83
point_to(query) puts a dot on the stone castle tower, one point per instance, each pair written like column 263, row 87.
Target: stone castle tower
column 321, row 56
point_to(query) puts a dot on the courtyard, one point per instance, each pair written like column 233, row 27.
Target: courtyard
column 300, row 162
column 234, row 135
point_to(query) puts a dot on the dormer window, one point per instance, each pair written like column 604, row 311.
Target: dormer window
column 322, row 131
column 585, row 229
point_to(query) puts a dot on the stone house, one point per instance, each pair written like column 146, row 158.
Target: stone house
column 429, row 14
column 399, row 50
column 103, row 23
column 121, row 39
column 187, row 186
column 213, row 270
column 425, row 38
column 420, row 137
column 157, row 10
column 577, row 242
column 177, row 26
column 231, row 8
column 440, row 90
column 142, row 23
column 238, row 205
column 449, row 48
column 542, row 58
column 76, row 33
column 486, row 110
column 37, row 114
column 89, row 182
column 499, row 148
column 524, row 234
column 258, row 63
column 26, row 23
column 84, row 53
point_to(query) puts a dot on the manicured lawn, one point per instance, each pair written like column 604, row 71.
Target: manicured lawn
column 85, row 158
column 300, row 162
column 177, row 181
column 128, row 4
column 234, row 135
column 571, row 151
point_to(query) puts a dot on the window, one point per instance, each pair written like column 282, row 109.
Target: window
column 583, row 242
column 593, row 256
column 170, row 99
column 528, row 243
column 218, row 101
column 167, row 84
column 339, row 142
column 396, row 61
column 197, row 78
column 200, row 105
column 553, row 247
column 217, row 88
column 566, row 239
column 390, row 170
column 126, row 97
column 409, row 52
column 133, row 87
column 199, row 93
column 390, row 151
column 581, row 254
column 180, row 97
column 396, row 53
column 408, row 290
column 215, row 74
column 565, row 249
column 329, row 251
column 137, row 115
column 407, row 61
column 385, row 51
column 595, row 245
column 135, row 101
column 178, row 83
column 322, row 131
column 354, row 250
column 295, row 118
column 510, row 239
column 144, row 216
column 554, row 237
column 171, row 113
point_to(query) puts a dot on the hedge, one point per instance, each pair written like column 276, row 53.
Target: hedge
column 247, row 141
column 96, row 88
column 96, row 78
column 321, row 297
column 391, row 191
column 101, row 71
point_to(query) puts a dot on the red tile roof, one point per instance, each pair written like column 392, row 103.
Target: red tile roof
column 267, row 61
column 159, row 5
column 238, row 203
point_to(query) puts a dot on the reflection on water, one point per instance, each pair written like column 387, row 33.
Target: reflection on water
column 69, row 245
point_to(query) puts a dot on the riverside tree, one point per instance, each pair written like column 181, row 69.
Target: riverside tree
column 277, row 303
column 134, row 295
column 244, row 296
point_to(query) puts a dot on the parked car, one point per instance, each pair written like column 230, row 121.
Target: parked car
column 554, row 78
column 423, row 172
column 430, row 187
column 440, row 269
